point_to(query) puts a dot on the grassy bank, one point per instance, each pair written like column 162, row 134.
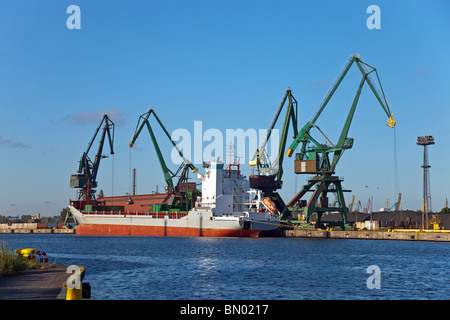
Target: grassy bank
column 12, row 264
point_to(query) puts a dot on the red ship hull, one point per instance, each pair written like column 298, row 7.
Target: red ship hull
column 158, row 231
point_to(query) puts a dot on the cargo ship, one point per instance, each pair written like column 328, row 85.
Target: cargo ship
column 226, row 208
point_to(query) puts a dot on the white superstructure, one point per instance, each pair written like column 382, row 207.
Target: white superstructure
column 225, row 191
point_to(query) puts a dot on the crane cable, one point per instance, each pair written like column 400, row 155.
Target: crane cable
column 396, row 184
column 131, row 176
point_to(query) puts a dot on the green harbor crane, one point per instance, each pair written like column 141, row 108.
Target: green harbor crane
column 315, row 158
column 184, row 191
column 269, row 174
column 86, row 177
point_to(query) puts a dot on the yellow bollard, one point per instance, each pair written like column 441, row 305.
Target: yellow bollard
column 73, row 294
column 82, row 272
column 24, row 253
column 75, row 289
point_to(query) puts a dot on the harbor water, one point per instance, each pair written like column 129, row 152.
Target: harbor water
column 178, row 268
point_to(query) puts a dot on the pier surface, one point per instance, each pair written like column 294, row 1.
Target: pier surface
column 34, row 284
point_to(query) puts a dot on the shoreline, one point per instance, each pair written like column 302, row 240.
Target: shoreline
column 391, row 234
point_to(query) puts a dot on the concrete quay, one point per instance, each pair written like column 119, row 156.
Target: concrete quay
column 28, row 230
column 396, row 234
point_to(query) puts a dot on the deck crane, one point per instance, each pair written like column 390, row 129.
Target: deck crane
column 269, row 175
column 396, row 206
column 358, row 206
column 86, row 177
column 314, row 157
column 352, row 204
column 184, row 191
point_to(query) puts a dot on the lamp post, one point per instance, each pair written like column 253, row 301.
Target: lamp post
column 371, row 204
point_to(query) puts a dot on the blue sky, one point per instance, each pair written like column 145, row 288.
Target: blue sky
column 226, row 63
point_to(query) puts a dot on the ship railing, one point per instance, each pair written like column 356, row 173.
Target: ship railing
column 154, row 215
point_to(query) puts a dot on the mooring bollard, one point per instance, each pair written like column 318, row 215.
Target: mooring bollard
column 27, row 253
column 73, row 283
column 73, row 293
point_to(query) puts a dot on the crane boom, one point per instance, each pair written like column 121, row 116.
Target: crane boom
column 397, row 204
column 352, row 204
column 144, row 121
column 367, row 72
column 261, row 154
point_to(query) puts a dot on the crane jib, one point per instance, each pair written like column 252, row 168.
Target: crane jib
column 167, row 173
column 367, row 72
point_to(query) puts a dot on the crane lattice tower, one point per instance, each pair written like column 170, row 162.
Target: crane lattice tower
column 426, row 141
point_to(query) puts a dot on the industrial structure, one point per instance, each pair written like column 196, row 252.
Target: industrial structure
column 86, row 177
column 314, row 157
column 185, row 192
column 425, row 141
column 268, row 177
